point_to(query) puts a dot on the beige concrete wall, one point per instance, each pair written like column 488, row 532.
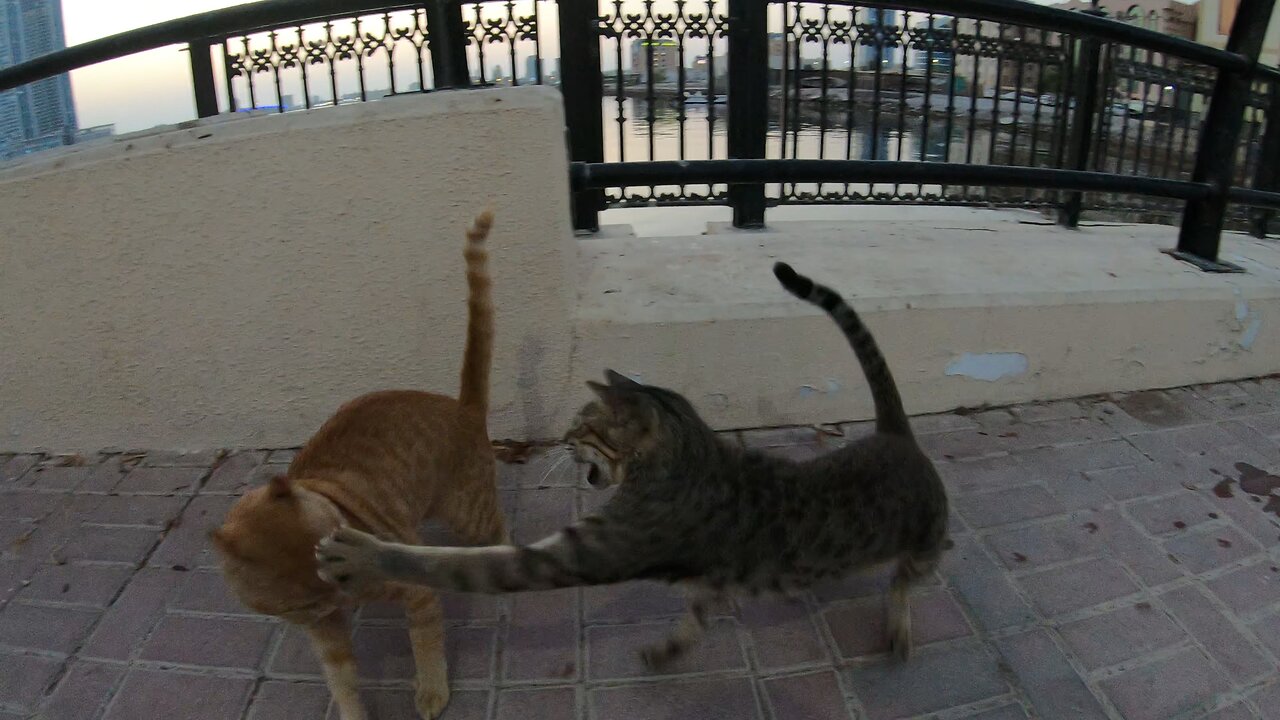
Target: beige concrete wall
column 231, row 282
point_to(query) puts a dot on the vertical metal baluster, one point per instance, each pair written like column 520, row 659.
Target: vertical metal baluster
column 1172, row 125
column 509, row 32
column 249, row 72
column 1019, row 47
column 902, row 95
column 878, row 29
column 825, row 84
column 796, row 40
column 275, row 72
column 1062, row 108
column 1186, row 138
column 650, row 93
column 712, row 29
column 681, row 116
column 420, row 25
column 303, row 67
column 1033, row 159
column 851, row 89
column 748, row 93
column 1138, row 146
column 995, row 100
column 1124, row 117
column 356, row 49
column 203, row 84
column 620, row 93
column 227, row 79
column 330, row 55
column 537, row 43
column 953, row 28
column 927, row 106
column 1267, row 175
column 582, row 86
column 973, row 100
column 480, row 43
column 389, row 43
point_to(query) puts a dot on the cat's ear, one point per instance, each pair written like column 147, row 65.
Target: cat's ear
column 604, row 392
column 618, row 380
column 279, row 487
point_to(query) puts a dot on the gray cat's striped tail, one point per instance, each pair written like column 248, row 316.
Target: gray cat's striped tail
column 890, row 416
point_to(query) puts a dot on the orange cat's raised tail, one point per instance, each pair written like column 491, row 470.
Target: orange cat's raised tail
column 478, row 356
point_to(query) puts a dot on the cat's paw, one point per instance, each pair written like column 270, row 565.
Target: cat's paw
column 900, row 641
column 348, row 558
column 431, row 701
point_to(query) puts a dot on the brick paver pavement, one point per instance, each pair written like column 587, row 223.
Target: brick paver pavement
column 1114, row 558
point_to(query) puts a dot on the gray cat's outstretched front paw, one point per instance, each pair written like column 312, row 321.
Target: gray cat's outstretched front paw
column 349, row 559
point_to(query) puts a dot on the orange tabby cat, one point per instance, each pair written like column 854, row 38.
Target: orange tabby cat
column 383, row 463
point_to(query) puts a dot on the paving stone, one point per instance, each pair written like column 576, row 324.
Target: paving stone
column 470, row 652
column 1047, row 679
column 1218, row 635
column 1248, row 590
column 93, row 585
column 1143, row 556
column 109, row 544
column 151, row 694
column 1127, row 482
column 931, row 681
column 863, row 583
column 295, row 656
column 14, row 573
column 83, row 691
column 14, row 467
column 542, row 512
column 983, row 587
column 179, row 458
column 1052, row 463
column 1173, row 514
column 147, row 511
column 859, row 627
column 1052, row 542
column 25, row 679
column 1238, row 711
column 782, row 633
column 813, row 696
column 614, row 650
column 276, row 700
column 1003, row 507
column 1166, row 687
column 1121, row 634
column 1155, row 409
column 385, row 653
column 632, row 601
column 1211, row 548
column 240, row 643
column 56, row 629
column 1053, row 433
column 711, row 699
column 960, row 445
column 132, row 615
column 983, row 474
column 91, row 477
column 542, row 636
column 187, row 542
column 537, row 704
column 207, row 591
column 781, row 437
column 1008, row 712
column 27, row 505
column 283, row 457
column 393, row 703
column 1065, row 589
column 234, row 473
column 1267, row 698
column 161, row 481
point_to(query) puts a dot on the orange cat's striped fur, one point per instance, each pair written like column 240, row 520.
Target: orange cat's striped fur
column 383, row 463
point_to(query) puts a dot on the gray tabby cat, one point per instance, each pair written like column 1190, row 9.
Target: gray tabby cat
column 694, row 509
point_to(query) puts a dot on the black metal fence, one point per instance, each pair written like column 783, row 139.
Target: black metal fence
column 754, row 103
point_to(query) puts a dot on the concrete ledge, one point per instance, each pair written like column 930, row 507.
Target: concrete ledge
column 230, row 283
column 970, row 306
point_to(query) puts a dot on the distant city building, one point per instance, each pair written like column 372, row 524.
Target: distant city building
column 1167, row 16
column 941, row 58
column 531, row 69
column 1214, row 24
column 665, row 62
column 42, row 114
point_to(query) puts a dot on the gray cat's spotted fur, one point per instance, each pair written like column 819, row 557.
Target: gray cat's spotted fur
column 694, row 509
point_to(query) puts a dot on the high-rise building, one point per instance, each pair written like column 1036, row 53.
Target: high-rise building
column 41, row 114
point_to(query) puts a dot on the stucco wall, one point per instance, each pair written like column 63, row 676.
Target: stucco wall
column 231, row 282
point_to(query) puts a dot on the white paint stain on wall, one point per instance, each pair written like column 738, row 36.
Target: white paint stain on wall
column 1250, row 321
column 988, row 366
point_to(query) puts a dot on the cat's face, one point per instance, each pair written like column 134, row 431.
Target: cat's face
column 625, row 424
column 267, row 549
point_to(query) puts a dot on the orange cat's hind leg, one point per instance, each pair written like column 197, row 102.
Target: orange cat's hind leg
column 426, row 636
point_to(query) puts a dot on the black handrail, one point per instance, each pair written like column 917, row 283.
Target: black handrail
column 747, row 172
